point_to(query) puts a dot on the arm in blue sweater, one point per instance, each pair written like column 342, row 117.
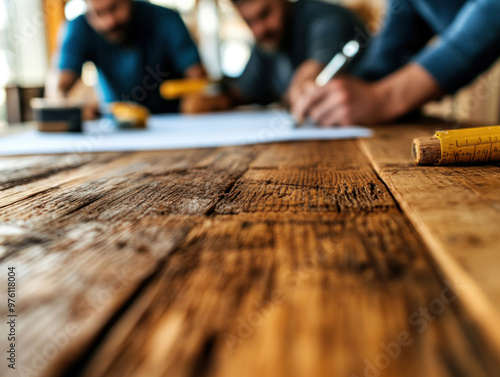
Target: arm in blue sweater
column 405, row 73
column 469, row 46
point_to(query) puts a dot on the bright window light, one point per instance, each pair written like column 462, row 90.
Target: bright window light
column 235, row 55
column 3, row 109
column 3, row 15
column 74, row 8
column 183, row 6
column 5, row 74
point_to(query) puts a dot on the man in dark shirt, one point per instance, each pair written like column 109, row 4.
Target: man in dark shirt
column 135, row 46
column 404, row 67
column 294, row 42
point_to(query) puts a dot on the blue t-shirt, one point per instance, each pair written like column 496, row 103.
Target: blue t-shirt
column 468, row 40
column 160, row 48
column 314, row 30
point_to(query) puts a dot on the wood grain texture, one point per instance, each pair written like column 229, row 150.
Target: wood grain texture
column 308, row 295
column 316, row 184
column 288, row 259
column 84, row 245
column 456, row 210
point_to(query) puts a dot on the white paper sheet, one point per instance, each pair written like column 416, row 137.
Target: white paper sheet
column 176, row 132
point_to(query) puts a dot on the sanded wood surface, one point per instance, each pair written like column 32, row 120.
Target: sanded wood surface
column 290, row 259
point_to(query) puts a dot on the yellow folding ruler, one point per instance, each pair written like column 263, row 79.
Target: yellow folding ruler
column 471, row 145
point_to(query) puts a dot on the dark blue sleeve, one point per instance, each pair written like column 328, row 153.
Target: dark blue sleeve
column 182, row 48
column 74, row 47
column 402, row 35
column 469, row 46
column 255, row 83
column 329, row 32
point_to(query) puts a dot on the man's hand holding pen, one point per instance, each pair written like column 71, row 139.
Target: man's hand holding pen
column 344, row 100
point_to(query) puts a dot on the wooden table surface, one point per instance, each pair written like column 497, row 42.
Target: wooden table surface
column 322, row 258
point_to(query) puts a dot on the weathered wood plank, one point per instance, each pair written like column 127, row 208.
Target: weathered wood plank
column 84, row 247
column 70, row 287
column 317, row 154
column 15, row 171
column 99, row 165
column 313, row 190
column 282, row 295
column 332, row 177
column 186, row 263
column 264, row 287
column 456, row 210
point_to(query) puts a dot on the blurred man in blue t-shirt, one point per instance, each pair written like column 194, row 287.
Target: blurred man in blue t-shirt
column 134, row 45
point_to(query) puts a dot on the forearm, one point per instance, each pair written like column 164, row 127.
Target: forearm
column 196, row 71
column 53, row 90
column 405, row 90
column 304, row 75
column 59, row 83
column 202, row 103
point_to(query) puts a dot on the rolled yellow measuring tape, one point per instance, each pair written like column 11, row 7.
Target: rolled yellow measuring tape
column 465, row 146
column 172, row 89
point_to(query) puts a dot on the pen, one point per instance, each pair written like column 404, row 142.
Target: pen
column 337, row 65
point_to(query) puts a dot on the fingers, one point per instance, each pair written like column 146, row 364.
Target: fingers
column 325, row 109
column 336, row 117
column 310, row 95
column 90, row 111
column 200, row 103
column 329, row 105
column 292, row 96
column 334, row 106
column 296, row 92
